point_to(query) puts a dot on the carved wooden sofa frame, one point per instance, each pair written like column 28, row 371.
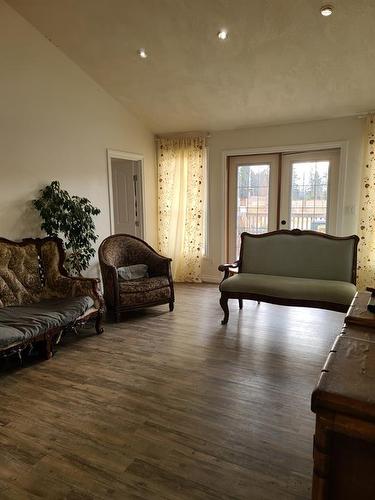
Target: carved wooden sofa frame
column 67, row 286
column 348, row 271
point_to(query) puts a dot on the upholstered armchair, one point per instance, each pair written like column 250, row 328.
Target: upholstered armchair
column 122, row 250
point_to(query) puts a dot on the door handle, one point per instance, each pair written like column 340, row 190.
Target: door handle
column 283, row 222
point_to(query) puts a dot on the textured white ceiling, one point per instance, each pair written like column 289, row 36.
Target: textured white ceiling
column 283, row 61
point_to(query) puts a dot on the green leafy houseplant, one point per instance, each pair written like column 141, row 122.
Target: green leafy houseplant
column 72, row 218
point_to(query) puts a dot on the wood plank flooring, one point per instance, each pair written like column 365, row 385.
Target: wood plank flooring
column 169, row 406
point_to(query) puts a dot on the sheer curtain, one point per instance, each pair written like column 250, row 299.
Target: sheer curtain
column 366, row 250
column 181, row 192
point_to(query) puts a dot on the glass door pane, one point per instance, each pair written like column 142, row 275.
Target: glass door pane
column 308, row 193
column 252, row 200
column 253, row 182
column 309, row 196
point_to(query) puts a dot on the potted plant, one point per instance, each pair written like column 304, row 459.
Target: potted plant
column 72, row 219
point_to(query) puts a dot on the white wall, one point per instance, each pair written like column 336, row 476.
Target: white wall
column 56, row 123
column 350, row 130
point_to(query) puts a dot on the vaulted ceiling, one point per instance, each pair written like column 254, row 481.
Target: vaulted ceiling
column 283, row 62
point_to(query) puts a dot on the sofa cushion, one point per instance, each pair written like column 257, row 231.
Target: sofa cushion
column 286, row 287
column 23, row 323
column 137, row 271
column 10, row 336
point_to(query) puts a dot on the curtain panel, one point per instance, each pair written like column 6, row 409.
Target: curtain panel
column 366, row 249
column 181, row 192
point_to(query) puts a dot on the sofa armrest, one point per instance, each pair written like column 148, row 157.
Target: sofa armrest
column 225, row 268
column 71, row 286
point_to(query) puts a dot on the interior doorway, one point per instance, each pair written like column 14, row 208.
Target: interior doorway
column 125, row 187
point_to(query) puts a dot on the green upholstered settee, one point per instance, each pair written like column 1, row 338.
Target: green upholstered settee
column 298, row 268
column 38, row 299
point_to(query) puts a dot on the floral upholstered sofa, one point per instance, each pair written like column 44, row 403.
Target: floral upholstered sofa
column 38, row 299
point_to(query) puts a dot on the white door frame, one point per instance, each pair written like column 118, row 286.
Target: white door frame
column 113, row 153
column 295, row 148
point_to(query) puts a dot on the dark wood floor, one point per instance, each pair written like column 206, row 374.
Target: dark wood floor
column 170, row 406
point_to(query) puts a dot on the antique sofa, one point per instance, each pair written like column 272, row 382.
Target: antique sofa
column 297, row 268
column 38, row 300
column 121, row 250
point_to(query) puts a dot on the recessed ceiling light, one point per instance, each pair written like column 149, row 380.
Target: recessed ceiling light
column 326, row 10
column 142, row 53
column 223, row 34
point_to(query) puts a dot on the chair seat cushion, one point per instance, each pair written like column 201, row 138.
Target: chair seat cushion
column 286, row 287
column 143, row 284
column 23, row 323
column 144, row 291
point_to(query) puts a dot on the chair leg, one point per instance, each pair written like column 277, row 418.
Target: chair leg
column 224, row 306
column 171, row 305
column 117, row 315
column 240, row 303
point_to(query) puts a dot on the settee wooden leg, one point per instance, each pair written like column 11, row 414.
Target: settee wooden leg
column 224, row 306
column 48, row 353
column 240, row 303
column 171, row 305
column 20, row 358
column 98, row 323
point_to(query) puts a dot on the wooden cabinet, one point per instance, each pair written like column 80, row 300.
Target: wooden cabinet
column 344, row 403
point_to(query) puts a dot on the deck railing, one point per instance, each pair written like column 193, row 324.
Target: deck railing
column 257, row 223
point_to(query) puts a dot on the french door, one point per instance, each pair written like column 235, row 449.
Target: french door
column 253, row 197
column 281, row 191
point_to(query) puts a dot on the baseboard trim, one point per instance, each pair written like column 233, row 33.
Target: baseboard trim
column 210, row 279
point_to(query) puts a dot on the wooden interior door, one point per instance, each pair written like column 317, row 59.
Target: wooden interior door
column 127, row 196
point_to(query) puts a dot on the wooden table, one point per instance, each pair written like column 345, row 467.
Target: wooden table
column 344, row 403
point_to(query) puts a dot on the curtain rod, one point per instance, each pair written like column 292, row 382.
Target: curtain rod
column 182, row 134
column 364, row 114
